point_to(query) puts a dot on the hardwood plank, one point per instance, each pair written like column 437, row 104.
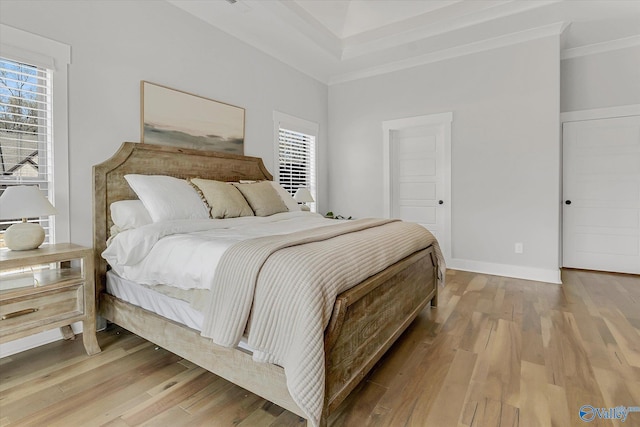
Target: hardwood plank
column 108, row 408
column 558, row 407
column 259, row 417
column 408, row 393
column 267, row 414
column 534, row 406
column 172, row 396
column 625, row 335
column 503, row 377
column 54, row 403
column 237, row 406
column 448, row 404
column 614, row 390
column 489, row 412
column 360, row 411
column 53, row 377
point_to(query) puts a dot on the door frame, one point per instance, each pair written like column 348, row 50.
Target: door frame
column 443, row 120
column 580, row 116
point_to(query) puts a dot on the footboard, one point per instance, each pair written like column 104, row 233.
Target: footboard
column 368, row 318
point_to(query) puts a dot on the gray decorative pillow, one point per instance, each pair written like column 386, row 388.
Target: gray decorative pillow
column 263, row 198
column 224, row 200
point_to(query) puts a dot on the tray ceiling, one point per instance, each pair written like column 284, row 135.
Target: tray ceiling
column 340, row 40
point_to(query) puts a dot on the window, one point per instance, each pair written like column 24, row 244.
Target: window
column 25, row 131
column 296, row 154
column 33, row 122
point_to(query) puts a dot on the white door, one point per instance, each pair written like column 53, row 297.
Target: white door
column 601, row 191
column 419, row 172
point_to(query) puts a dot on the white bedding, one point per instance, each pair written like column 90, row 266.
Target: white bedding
column 185, row 253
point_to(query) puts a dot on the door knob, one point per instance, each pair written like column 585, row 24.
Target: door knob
column 440, row 202
column 568, row 202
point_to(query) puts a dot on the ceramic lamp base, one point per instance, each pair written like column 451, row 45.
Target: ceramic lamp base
column 24, row 236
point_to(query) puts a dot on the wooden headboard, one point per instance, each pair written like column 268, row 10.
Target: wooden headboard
column 110, row 186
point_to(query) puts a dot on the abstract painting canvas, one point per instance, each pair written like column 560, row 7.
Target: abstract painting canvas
column 180, row 119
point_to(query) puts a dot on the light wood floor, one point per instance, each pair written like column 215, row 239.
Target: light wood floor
column 497, row 352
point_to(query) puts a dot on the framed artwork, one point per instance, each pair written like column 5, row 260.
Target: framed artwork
column 180, row 119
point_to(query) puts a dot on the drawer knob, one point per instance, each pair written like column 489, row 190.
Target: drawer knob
column 18, row 313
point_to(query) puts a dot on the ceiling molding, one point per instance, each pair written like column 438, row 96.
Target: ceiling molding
column 292, row 14
column 601, row 47
column 307, row 37
column 394, row 35
column 555, row 29
column 601, row 113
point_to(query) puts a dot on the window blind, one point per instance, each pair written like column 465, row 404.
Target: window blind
column 25, row 132
column 296, row 161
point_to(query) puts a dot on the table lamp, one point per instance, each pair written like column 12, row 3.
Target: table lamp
column 24, row 201
column 303, row 195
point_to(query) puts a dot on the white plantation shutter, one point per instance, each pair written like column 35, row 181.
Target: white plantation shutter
column 26, row 132
column 296, row 154
column 296, row 160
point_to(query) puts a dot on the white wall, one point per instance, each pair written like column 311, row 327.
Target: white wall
column 505, row 150
column 601, row 80
column 114, row 45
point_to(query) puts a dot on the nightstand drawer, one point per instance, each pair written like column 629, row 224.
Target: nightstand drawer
column 61, row 293
column 31, row 311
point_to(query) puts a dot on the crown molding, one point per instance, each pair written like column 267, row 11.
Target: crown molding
column 601, row 113
column 550, row 30
column 380, row 39
column 284, row 30
column 608, row 46
column 295, row 16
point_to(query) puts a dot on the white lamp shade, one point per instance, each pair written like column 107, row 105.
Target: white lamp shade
column 303, row 195
column 24, row 201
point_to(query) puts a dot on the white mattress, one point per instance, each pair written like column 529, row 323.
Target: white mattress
column 175, row 309
column 172, row 308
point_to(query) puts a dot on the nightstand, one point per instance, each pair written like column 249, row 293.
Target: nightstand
column 34, row 299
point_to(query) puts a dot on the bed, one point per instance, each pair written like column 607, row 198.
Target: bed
column 364, row 321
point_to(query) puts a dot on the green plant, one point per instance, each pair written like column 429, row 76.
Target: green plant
column 331, row 215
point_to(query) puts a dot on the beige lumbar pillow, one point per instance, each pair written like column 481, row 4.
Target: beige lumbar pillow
column 263, row 198
column 223, row 199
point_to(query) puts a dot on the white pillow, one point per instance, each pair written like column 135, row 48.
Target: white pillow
column 287, row 198
column 167, row 198
column 128, row 214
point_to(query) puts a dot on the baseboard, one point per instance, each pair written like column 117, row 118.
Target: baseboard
column 507, row 270
column 36, row 340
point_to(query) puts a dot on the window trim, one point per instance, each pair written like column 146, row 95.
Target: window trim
column 40, row 51
column 296, row 124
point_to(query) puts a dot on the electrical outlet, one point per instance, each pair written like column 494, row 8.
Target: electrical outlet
column 519, row 248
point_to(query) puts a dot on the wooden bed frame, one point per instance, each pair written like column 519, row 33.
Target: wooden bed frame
column 366, row 319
